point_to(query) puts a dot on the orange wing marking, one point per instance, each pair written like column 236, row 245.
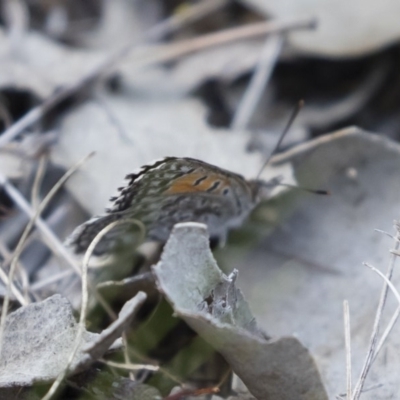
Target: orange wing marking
column 187, row 184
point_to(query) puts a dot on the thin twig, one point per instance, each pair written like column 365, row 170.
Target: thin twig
column 157, row 32
column 386, row 332
column 368, row 389
column 51, row 279
column 262, row 74
column 114, row 121
column 18, row 295
column 127, row 357
column 48, row 236
column 164, row 53
column 64, row 274
column 396, row 313
column 31, row 223
column 387, row 281
column 347, row 340
column 130, row 367
column 292, row 117
column 24, row 279
column 375, row 330
column 5, row 253
column 37, row 183
column 395, row 316
column 172, row 51
column 142, row 235
column 82, row 318
column 385, row 233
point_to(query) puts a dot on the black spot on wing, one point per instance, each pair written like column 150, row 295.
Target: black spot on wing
column 198, row 181
column 213, row 187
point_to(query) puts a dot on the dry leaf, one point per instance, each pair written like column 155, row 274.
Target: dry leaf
column 210, row 303
column 38, row 339
column 297, row 278
column 345, row 28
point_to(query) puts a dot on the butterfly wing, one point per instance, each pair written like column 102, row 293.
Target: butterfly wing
column 169, row 191
column 122, row 236
column 213, row 210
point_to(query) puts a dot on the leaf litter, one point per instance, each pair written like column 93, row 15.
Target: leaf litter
column 297, row 256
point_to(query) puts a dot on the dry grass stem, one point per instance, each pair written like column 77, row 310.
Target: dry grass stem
column 64, row 274
column 140, row 240
column 14, row 194
column 37, row 183
column 82, row 318
column 157, row 32
column 387, row 331
column 255, row 89
column 114, row 121
column 375, row 330
column 385, row 233
column 127, row 358
column 18, row 295
column 47, row 234
column 6, row 255
column 130, row 366
column 387, row 281
column 24, row 279
column 347, row 340
column 84, row 305
column 172, row 51
column 51, row 279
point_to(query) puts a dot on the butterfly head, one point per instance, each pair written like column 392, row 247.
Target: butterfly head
column 262, row 190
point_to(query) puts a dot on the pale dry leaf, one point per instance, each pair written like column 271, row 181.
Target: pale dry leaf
column 345, row 28
column 38, row 339
column 120, row 20
column 200, row 294
column 37, row 55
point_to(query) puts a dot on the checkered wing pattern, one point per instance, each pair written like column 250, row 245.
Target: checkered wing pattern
column 169, row 191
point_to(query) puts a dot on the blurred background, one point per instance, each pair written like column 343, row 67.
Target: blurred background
column 136, row 80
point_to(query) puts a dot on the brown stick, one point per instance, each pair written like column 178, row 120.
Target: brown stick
column 184, row 47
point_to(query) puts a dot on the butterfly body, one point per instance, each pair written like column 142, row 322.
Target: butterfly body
column 175, row 190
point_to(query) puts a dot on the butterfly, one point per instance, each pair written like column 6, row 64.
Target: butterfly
column 170, row 191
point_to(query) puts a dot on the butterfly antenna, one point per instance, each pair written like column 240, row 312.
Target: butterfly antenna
column 304, row 189
column 293, row 116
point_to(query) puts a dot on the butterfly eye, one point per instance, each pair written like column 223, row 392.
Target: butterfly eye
column 225, row 192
